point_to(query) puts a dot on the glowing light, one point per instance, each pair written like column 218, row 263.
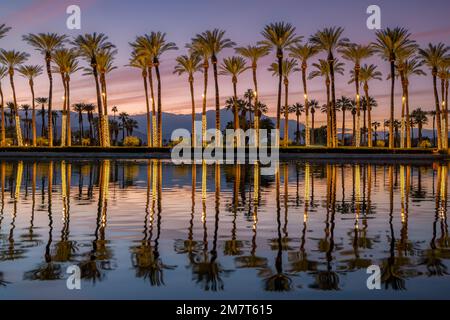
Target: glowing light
column 403, row 99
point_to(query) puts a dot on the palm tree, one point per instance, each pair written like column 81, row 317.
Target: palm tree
column 344, row 104
column 444, row 75
column 390, row 43
column 31, row 72
column 190, row 64
column 12, row 60
column 46, row 43
column 90, row 46
column 234, row 66
column 420, row 118
column 289, row 66
column 279, row 36
column 253, row 54
column 26, row 108
column 330, row 40
column 354, row 121
column 55, row 116
column 89, row 109
column 42, row 101
column 130, row 125
column 323, row 70
column 140, row 62
column 155, row 45
column 303, row 53
column 66, row 64
column 298, row 109
column 79, row 108
column 367, row 73
column 433, row 114
column 3, row 30
column 3, row 73
column 215, row 42
column 114, row 110
column 375, row 126
column 313, row 104
column 356, row 53
column 123, row 117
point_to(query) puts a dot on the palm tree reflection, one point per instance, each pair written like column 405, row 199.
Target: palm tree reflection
column 233, row 247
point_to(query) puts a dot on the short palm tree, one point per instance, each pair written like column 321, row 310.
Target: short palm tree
column 420, row 119
column 3, row 74
column 329, row 40
column 253, row 54
column 356, row 53
column 190, row 64
column 303, row 53
column 298, row 109
column 31, row 72
column 79, row 108
column 234, row 66
column 46, row 44
column 375, row 126
column 279, row 36
column 89, row 47
column 289, row 66
column 389, row 44
column 314, row 105
column 368, row 73
column 432, row 113
column 215, row 42
column 322, row 69
column 26, row 108
column 344, row 104
column 141, row 62
column 42, row 101
column 12, row 60
column 89, row 109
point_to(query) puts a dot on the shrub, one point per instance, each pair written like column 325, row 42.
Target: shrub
column 86, row 142
column 41, row 141
column 132, row 141
column 380, row 144
column 425, row 144
column 9, row 142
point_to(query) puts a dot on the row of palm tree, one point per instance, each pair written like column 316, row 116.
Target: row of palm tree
column 393, row 45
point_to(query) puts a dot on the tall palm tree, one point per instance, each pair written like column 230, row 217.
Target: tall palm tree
column 432, row 56
column 390, row 43
column 66, row 64
column 444, row 76
column 298, row 109
column 79, row 108
column 3, row 74
column 90, row 46
column 46, row 44
column 329, row 40
column 190, row 64
column 234, row 66
column 322, row 69
column 303, row 53
column 253, row 54
column 157, row 46
column 420, row 118
column 215, row 41
column 279, row 36
column 42, row 101
column 367, row 73
column 289, row 66
column 344, row 104
column 141, row 62
column 31, row 72
column 356, row 53
column 12, row 60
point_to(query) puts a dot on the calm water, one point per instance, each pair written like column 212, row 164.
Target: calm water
column 152, row 230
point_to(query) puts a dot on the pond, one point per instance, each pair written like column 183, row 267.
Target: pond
column 153, row 230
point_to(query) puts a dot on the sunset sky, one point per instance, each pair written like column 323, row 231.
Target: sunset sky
column 243, row 21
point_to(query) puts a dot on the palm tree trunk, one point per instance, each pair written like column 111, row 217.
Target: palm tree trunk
column 297, row 137
column 236, row 112
column 3, row 124
column 17, row 117
column 354, row 130
column 286, row 113
column 69, row 128
column 391, row 122
column 205, row 89
column 280, row 72
column 305, row 94
column 216, row 85
column 43, row 121
column 100, row 130
column 50, row 97
column 105, row 118
column 312, row 129
column 444, row 120
column 358, row 108
column 152, row 95
column 193, row 135
column 446, row 114
column 438, row 110
column 333, row 100
column 80, row 126
column 420, row 132
column 33, row 113
column 408, row 123
column 149, row 134
column 158, row 80
column 329, row 116
column 369, row 116
column 343, row 125
column 63, row 115
column 256, row 123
